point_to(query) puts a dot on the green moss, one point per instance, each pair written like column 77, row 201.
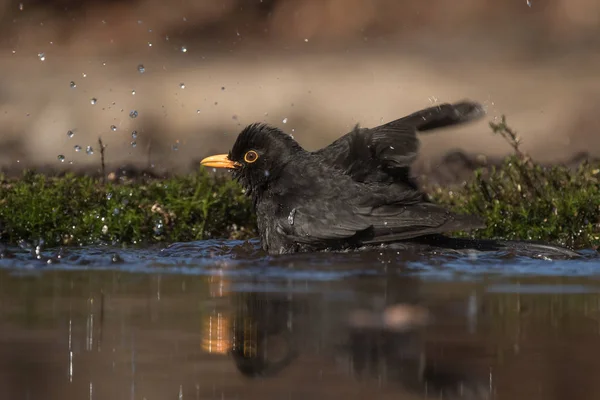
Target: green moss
column 523, row 200
column 83, row 210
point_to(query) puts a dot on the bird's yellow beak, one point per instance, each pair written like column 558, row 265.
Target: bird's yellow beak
column 219, row 161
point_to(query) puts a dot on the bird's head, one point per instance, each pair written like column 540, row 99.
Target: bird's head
column 257, row 157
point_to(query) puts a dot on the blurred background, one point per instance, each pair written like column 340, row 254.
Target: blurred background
column 164, row 83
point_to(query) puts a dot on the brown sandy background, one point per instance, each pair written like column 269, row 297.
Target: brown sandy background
column 311, row 67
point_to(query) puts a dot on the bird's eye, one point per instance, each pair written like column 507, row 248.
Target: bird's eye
column 251, row 156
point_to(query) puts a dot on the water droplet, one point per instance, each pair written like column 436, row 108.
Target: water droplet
column 108, row 195
column 133, row 114
column 182, row 85
column 149, row 44
column 183, row 49
column 20, row 6
column 72, row 85
column 133, row 92
column 306, row 39
column 133, row 144
column 84, row 74
column 113, row 128
column 198, row 111
column 89, row 150
column 70, row 134
column 134, row 134
column 42, row 56
column 93, row 101
column 77, row 147
column 529, row 3
column 175, row 146
column 116, row 211
column 284, row 121
column 291, row 216
column 105, row 229
column 61, row 158
column 141, row 68
column 158, row 228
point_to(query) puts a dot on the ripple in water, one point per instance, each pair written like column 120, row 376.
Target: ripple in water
column 245, row 258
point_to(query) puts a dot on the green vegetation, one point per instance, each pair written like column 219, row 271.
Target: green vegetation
column 82, row 210
column 523, row 200
column 519, row 199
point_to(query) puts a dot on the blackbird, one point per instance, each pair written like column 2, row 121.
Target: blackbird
column 355, row 192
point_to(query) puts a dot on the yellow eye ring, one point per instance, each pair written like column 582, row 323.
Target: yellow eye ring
column 251, row 156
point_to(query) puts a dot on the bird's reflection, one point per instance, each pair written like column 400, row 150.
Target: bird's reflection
column 262, row 334
column 269, row 332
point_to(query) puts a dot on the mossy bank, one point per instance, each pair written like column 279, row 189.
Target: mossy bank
column 519, row 199
column 82, row 210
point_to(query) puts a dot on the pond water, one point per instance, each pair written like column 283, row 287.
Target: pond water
column 220, row 320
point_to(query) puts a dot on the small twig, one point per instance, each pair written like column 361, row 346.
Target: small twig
column 511, row 137
column 515, row 142
column 102, row 165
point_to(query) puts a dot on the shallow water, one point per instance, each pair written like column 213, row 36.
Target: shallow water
column 219, row 320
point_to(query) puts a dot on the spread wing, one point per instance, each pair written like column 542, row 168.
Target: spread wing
column 386, row 152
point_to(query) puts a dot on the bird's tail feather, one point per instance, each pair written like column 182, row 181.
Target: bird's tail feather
column 444, row 115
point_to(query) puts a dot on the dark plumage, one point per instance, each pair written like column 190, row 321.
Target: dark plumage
column 356, row 191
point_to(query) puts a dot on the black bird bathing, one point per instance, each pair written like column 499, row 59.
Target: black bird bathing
column 356, row 192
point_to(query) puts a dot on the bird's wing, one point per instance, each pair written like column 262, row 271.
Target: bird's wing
column 397, row 222
column 396, row 144
column 336, row 221
column 312, row 223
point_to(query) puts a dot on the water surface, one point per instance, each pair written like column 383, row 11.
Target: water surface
column 220, row 320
